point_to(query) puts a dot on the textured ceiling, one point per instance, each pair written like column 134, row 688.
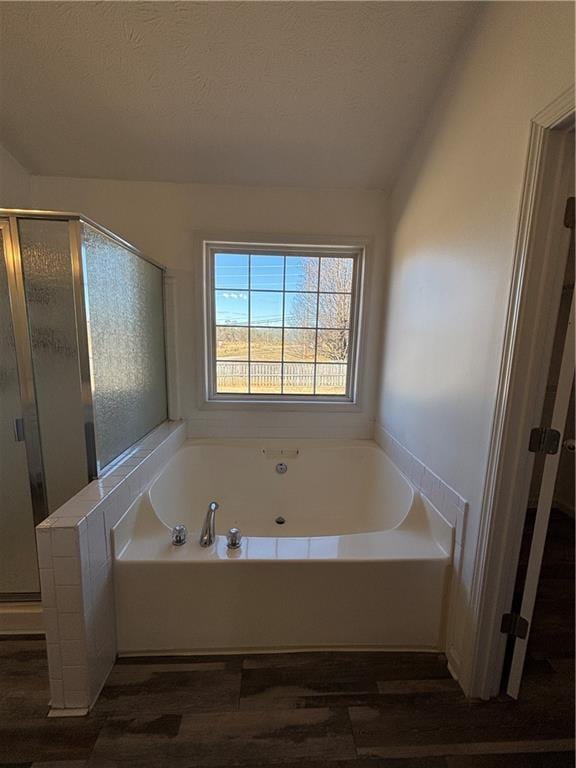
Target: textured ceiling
column 310, row 94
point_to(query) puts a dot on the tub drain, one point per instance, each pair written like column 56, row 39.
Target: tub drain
column 280, row 520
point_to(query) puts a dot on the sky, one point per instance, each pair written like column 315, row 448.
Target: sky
column 233, row 272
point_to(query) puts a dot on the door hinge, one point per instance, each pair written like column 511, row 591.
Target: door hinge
column 544, row 440
column 19, row 430
column 515, row 625
column 569, row 213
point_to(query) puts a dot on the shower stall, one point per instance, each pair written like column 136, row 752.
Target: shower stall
column 82, row 369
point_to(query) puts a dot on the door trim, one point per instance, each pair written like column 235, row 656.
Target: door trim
column 534, row 293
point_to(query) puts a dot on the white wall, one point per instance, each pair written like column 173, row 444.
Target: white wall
column 15, row 182
column 164, row 219
column 453, row 219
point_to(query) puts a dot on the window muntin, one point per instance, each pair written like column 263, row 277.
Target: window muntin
column 282, row 322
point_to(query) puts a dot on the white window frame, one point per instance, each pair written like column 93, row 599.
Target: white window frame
column 276, row 246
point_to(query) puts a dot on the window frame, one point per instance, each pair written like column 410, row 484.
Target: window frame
column 355, row 251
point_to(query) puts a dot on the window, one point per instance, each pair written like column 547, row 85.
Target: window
column 282, row 322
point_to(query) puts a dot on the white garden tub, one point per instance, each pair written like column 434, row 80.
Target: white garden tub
column 362, row 560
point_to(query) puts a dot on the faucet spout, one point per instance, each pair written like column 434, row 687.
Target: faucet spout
column 208, row 532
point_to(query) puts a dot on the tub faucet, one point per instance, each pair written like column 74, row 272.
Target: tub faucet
column 207, row 534
column 179, row 534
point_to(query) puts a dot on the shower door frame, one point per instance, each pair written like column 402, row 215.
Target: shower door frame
column 9, row 218
column 24, row 366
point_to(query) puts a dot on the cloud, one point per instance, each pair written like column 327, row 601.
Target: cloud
column 234, row 295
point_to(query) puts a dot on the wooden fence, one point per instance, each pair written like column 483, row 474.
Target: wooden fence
column 330, row 377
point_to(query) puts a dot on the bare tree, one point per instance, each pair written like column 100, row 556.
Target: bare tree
column 333, row 305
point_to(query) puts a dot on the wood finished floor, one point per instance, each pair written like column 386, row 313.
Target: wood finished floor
column 310, row 710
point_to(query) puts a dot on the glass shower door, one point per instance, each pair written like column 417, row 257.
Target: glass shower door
column 18, row 563
column 48, row 284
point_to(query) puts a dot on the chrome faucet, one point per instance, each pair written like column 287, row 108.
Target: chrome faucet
column 179, row 534
column 208, row 534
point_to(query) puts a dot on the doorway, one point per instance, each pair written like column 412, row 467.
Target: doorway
column 541, row 255
column 541, row 623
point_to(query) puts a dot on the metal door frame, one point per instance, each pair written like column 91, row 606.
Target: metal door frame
column 24, row 366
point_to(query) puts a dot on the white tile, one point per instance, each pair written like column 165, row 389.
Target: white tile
column 111, row 482
column 75, row 678
column 76, row 508
column 85, row 571
column 68, row 521
column 96, row 540
column 47, row 591
column 56, row 694
column 70, row 626
column 44, row 546
column 69, row 599
column 460, row 526
column 51, row 626
column 66, row 571
column 92, row 492
column 76, row 699
column 461, row 503
column 437, row 492
column 64, row 541
column 54, row 660
column 450, row 512
column 112, row 515
column 418, row 470
column 118, row 472
column 132, row 461
column 46, row 524
column 456, row 562
column 73, row 653
column 83, row 541
column 137, row 481
column 101, row 582
column 427, row 484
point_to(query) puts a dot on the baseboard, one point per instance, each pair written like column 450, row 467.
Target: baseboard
column 21, row 619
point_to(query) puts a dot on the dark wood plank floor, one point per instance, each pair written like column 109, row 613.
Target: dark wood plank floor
column 311, row 710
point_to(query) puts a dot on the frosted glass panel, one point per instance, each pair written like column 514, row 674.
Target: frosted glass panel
column 18, row 566
column 126, row 332
column 46, row 264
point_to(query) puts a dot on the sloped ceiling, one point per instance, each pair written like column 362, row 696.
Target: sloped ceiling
column 307, row 94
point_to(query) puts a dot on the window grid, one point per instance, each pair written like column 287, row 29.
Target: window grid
column 283, row 323
column 315, row 362
column 315, row 369
column 249, row 329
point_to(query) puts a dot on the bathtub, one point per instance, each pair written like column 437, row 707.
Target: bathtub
column 338, row 551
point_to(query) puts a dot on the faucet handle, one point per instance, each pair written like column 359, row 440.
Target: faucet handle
column 234, row 538
column 179, row 533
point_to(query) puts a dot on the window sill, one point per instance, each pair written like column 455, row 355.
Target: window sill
column 270, row 404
